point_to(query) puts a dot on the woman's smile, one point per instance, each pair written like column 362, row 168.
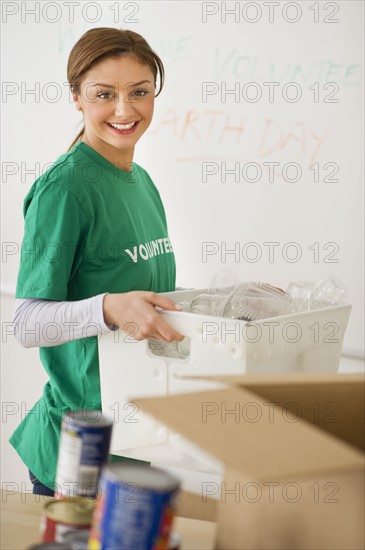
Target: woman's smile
column 123, row 128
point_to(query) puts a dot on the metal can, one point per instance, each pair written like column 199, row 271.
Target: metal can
column 64, row 516
column 135, row 510
column 78, row 540
column 84, row 448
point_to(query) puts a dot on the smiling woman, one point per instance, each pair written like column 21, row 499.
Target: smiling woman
column 87, row 217
column 97, row 45
column 117, row 98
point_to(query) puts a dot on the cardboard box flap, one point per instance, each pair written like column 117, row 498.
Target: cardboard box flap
column 333, row 402
column 189, row 505
column 281, row 378
column 241, row 429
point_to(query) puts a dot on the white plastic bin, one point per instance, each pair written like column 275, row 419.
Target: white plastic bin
column 308, row 341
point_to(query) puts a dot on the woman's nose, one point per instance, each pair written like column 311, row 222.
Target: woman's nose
column 124, row 107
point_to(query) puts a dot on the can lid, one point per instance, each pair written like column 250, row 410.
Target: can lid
column 73, row 510
column 145, row 477
column 86, row 417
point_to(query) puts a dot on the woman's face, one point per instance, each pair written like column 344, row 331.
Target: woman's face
column 117, row 99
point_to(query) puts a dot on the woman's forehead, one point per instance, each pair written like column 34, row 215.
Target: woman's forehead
column 122, row 70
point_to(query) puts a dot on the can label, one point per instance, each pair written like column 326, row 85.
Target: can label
column 84, row 448
column 55, row 531
column 131, row 516
column 61, row 517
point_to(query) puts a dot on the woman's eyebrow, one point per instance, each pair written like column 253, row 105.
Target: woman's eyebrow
column 102, row 84
column 129, row 84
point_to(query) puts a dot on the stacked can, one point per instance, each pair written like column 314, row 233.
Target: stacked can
column 61, row 517
column 135, row 510
column 78, row 540
column 84, row 448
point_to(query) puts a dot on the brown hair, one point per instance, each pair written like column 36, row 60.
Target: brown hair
column 104, row 43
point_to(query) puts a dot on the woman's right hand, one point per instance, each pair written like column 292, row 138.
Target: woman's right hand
column 135, row 313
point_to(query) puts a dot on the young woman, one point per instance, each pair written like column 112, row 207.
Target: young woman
column 96, row 250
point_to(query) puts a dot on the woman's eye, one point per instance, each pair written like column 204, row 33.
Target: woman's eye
column 104, row 95
column 140, row 93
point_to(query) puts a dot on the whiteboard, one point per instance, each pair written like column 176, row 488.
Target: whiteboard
column 256, row 144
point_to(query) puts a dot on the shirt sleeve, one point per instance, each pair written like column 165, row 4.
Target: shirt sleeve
column 54, row 235
column 44, row 323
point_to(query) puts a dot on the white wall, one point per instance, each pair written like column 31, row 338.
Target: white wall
column 187, row 133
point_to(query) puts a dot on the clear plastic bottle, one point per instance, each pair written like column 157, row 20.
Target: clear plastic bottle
column 329, row 292
column 301, row 294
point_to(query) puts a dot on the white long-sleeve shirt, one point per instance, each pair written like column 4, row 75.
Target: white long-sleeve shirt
column 45, row 323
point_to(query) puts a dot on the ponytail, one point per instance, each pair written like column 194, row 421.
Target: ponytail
column 77, row 138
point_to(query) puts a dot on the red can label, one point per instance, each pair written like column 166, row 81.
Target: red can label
column 55, row 531
column 61, row 517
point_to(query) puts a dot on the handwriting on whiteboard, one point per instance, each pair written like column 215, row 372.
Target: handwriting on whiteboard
column 234, row 63
column 217, row 127
column 246, row 67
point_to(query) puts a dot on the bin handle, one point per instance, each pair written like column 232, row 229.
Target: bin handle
column 180, row 323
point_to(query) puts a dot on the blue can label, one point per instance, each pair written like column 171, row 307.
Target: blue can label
column 84, row 448
column 130, row 516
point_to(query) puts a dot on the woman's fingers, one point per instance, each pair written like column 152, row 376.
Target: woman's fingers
column 166, row 332
column 154, row 326
column 135, row 313
column 163, row 302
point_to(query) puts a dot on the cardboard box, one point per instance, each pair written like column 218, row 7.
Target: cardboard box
column 293, row 449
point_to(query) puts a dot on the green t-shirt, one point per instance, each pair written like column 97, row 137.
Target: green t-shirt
column 90, row 228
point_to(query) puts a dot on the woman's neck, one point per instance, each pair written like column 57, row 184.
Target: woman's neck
column 122, row 159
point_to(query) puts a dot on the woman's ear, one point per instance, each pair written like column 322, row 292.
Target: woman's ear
column 77, row 102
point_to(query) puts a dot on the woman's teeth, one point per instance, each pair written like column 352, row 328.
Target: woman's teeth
column 122, row 126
